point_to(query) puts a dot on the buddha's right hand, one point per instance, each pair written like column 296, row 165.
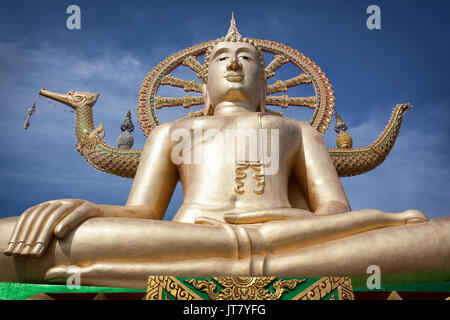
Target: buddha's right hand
column 36, row 227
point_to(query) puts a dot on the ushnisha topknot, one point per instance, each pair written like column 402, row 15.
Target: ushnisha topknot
column 233, row 33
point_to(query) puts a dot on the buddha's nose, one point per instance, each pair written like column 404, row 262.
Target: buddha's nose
column 234, row 66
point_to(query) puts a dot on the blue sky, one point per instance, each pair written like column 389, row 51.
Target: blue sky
column 120, row 42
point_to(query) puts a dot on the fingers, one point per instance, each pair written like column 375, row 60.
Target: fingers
column 256, row 217
column 67, row 274
column 32, row 230
column 261, row 216
column 38, row 224
column 15, row 244
column 208, row 221
column 83, row 212
column 58, row 272
column 47, row 229
column 415, row 216
column 415, row 220
column 39, row 241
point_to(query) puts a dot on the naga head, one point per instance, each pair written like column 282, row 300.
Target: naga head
column 73, row 99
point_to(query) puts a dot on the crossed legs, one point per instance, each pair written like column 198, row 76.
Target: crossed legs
column 122, row 252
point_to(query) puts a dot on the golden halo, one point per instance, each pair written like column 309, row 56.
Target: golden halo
column 322, row 102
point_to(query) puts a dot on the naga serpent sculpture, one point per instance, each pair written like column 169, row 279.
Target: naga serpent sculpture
column 348, row 161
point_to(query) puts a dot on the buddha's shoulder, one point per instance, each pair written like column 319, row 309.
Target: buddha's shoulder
column 290, row 127
column 307, row 129
column 269, row 120
column 276, row 120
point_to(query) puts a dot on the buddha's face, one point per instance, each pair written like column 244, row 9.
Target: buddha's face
column 234, row 74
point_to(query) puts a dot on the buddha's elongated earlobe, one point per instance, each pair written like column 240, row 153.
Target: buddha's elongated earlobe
column 262, row 102
column 208, row 107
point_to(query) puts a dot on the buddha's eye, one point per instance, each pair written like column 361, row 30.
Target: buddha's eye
column 222, row 58
column 245, row 57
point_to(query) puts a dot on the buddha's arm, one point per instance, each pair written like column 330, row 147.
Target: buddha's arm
column 317, row 176
column 152, row 189
column 156, row 176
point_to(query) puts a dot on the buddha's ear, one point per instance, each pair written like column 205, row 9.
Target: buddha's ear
column 262, row 99
column 206, row 101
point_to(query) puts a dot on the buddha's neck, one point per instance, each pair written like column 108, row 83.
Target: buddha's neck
column 231, row 108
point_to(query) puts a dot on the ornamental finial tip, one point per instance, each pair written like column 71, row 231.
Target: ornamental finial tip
column 343, row 139
column 233, row 33
column 340, row 124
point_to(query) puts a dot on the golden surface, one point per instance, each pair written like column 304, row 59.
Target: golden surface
column 218, row 231
column 344, row 140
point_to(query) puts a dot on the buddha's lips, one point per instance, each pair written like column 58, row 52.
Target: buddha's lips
column 234, row 77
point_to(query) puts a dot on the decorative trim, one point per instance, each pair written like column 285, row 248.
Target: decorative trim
column 249, row 288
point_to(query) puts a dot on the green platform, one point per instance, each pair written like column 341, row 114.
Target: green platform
column 22, row 291
column 419, row 282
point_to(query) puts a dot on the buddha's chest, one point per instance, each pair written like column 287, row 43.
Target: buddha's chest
column 227, row 140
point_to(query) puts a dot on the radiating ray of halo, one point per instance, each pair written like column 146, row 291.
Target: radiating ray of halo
column 278, row 61
column 284, row 101
column 282, row 86
column 192, row 62
column 191, row 85
column 186, row 101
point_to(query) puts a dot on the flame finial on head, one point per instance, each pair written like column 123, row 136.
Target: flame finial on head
column 233, row 33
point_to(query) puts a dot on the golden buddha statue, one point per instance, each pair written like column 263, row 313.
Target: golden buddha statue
column 237, row 216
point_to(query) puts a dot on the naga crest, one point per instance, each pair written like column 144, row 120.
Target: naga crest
column 123, row 162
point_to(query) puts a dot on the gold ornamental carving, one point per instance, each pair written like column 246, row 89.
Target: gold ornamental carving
column 244, row 288
column 249, row 288
column 156, row 285
column 325, row 286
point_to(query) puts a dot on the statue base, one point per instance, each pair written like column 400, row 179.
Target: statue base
column 249, row 288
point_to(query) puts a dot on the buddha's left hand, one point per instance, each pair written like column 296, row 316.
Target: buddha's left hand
column 266, row 215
